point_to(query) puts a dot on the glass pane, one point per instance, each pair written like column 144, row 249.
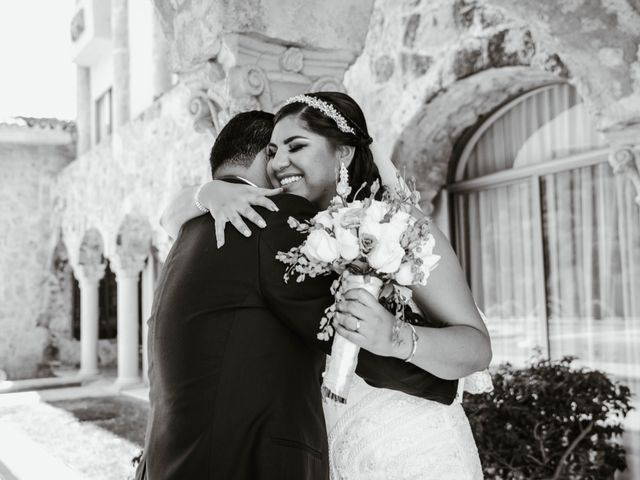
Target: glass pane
column 592, row 253
column 523, row 128
column 497, row 246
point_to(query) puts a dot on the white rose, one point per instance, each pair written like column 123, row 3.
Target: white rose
column 373, row 215
column 387, row 255
column 376, row 211
column 350, row 215
column 348, row 244
column 405, row 275
column 320, row 246
column 324, row 219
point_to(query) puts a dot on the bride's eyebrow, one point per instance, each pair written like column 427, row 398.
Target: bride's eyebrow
column 291, row 139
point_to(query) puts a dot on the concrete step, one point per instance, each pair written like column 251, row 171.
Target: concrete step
column 12, row 386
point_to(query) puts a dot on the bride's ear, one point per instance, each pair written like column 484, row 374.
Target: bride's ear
column 345, row 154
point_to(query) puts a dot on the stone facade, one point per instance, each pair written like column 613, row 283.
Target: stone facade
column 131, row 175
column 431, row 70
column 425, row 72
column 32, row 276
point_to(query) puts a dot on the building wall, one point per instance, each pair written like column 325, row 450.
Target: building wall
column 146, row 161
column 140, row 54
column 28, row 236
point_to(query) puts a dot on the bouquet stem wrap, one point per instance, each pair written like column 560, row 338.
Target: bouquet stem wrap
column 341, row 366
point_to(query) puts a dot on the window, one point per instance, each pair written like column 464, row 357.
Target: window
column 549, row 237
column 103, row 116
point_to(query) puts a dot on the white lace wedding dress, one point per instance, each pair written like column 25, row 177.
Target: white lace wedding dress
column 385, row 435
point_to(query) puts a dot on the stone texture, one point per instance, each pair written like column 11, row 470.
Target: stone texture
column 156, row 154
column 423, row 71
column 195, row 27
column 121, row 75
column 383, row 68
column 459, row 59
column 27, row 240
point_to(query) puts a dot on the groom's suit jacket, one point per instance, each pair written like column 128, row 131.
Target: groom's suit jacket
column 235, row 365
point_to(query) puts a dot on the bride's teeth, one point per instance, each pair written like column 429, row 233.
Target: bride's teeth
column 289, row 180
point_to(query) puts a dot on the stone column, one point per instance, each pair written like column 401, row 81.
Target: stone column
column 148, row 289
column 83, row 109
column 89, row 279
column 120, row 35
column 160, row 55
column 128, row 300
column 625, row 155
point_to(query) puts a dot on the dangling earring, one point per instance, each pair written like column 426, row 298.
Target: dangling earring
column 343, row 189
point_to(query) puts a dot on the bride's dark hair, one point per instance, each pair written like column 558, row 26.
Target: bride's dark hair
column 362, row 168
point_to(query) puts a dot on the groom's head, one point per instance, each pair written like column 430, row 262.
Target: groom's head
column 240, row 147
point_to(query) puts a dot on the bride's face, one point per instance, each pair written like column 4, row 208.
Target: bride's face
column 302, row 162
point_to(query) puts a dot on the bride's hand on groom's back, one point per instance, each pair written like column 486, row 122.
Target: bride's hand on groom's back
column 233, row 202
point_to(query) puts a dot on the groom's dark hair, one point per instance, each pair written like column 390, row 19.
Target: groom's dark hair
column 241, row 139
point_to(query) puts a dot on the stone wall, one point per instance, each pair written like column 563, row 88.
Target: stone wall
column 27, row 239
column 127, row 179
column 431, row 70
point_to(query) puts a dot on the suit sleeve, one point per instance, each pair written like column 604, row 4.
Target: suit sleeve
column 301, row 306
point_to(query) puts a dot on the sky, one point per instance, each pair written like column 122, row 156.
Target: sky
column 37, row 76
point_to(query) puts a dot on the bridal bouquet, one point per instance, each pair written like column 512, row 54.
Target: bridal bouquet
column 372, row 244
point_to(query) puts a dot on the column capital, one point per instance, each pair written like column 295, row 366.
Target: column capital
column 128, row 270
column 91, row 274
column 255, row 73
column 625, row 160
column 624, row 156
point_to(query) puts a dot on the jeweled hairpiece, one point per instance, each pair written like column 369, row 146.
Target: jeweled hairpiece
column 326, row 108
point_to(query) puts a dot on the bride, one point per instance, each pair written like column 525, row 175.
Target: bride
column 380, row 433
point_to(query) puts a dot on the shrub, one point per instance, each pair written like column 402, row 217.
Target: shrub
column 549, row 421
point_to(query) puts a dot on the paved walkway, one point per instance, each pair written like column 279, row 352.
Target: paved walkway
column 40, row 441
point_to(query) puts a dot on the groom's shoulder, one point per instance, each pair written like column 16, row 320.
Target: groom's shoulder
column 278, row 234
column 292, row 205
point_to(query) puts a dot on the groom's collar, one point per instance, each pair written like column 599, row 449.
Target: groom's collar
column 236, row 179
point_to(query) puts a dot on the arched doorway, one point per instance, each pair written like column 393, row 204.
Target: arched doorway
column 548, row 236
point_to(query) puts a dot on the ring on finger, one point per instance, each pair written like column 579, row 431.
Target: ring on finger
column 357, row 325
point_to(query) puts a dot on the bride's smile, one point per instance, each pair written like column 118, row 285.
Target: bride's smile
column 303, row 162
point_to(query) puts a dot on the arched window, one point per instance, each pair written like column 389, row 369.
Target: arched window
column 548, row 236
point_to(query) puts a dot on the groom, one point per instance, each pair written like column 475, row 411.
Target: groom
column 235, row 365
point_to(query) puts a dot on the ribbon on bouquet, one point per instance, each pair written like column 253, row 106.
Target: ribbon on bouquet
column 341, row 365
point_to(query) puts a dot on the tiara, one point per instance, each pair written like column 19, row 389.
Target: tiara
column 326, row 108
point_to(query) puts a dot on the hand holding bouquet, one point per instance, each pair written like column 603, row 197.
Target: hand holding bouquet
column 372, row 244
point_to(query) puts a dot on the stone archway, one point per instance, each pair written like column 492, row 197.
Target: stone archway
column 426, row 144
column 57, row 316
column 419, row 57
column 89, row 271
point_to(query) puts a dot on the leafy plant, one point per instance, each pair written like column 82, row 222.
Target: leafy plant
column 550, row 421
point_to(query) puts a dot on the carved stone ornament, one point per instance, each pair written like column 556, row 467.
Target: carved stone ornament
column 249, row 89
column 327, row 84
column 91, row 274
column 253, row 73
column 77, row 25
column 292, row 60
column 625, row 160
column 206, row 112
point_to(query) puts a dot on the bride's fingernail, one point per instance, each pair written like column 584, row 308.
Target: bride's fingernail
column 262, row 224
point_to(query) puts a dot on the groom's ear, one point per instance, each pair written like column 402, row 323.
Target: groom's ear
column 345, row 154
